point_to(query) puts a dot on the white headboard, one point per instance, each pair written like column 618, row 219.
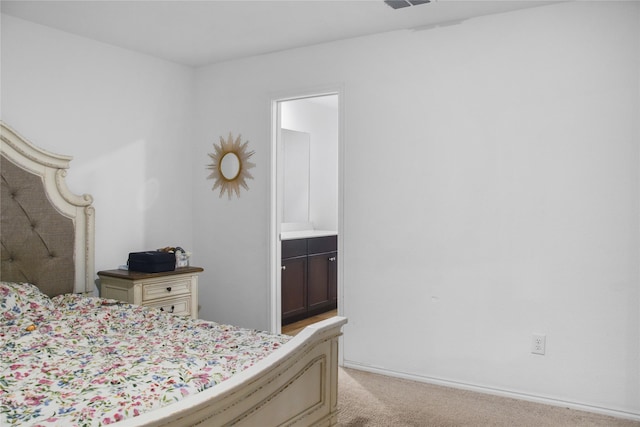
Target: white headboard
column 47, row 232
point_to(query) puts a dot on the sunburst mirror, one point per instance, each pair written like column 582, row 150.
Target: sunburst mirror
column 230, row 167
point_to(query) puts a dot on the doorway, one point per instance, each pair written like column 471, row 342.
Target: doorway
column 305, row 207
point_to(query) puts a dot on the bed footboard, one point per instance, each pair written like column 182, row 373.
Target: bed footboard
column 295, row 386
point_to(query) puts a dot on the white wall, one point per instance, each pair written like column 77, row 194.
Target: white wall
column 490, row 192
column 123, row 116
column 320, row 120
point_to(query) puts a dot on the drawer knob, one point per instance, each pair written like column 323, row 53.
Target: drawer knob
column 332, row 258
column 172, row 308
column 284, row 267
column 168, row 288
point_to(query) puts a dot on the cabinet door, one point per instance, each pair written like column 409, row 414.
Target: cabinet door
column 333, row 278
column 294, row 287
column 320, row 266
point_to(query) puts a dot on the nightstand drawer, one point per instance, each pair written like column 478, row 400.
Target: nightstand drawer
column 165, row 289
column 181, row 306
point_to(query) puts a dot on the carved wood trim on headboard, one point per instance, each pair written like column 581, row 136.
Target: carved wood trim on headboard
column 52, row 169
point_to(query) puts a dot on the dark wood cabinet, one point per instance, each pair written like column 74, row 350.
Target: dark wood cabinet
column 320, row 281
column 309, row 277
column 294, row 289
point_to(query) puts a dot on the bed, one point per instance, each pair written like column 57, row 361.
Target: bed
column 71, row 358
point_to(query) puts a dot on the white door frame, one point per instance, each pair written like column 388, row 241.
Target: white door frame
column 276, row 211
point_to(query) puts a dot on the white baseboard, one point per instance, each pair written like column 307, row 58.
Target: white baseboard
column 497, row 392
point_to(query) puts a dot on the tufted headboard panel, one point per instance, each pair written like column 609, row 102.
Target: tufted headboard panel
column 46, row 232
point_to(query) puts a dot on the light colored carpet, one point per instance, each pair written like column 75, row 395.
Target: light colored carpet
column 366, row 399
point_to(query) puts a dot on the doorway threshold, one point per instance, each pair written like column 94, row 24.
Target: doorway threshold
column 296, row 327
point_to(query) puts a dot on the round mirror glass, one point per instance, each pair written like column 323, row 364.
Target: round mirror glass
column 230, row 166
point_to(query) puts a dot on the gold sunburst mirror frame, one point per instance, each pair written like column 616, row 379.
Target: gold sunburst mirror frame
column 230, row 167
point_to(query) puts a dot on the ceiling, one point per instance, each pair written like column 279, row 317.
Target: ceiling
column 201, row 32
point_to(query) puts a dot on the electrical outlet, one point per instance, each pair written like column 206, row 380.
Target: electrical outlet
column 538, row 344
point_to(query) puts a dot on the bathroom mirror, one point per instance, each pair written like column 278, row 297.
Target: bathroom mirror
column 230, row 165
column 296, row 175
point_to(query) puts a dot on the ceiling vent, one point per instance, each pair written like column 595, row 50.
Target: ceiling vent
column 398, row 4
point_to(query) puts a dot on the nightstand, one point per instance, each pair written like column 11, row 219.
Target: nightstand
column 171, row 291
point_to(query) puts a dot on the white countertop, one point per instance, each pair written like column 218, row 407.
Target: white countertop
column 304, row 234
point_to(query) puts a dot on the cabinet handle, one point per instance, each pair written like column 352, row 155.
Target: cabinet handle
column 332, row 258
column 284, row 267
column 172, row 307
column 168, row 288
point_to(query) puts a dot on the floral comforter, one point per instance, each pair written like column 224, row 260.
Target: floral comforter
column 74, row 360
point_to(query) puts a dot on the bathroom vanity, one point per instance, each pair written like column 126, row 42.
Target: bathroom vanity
column 309, row 274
